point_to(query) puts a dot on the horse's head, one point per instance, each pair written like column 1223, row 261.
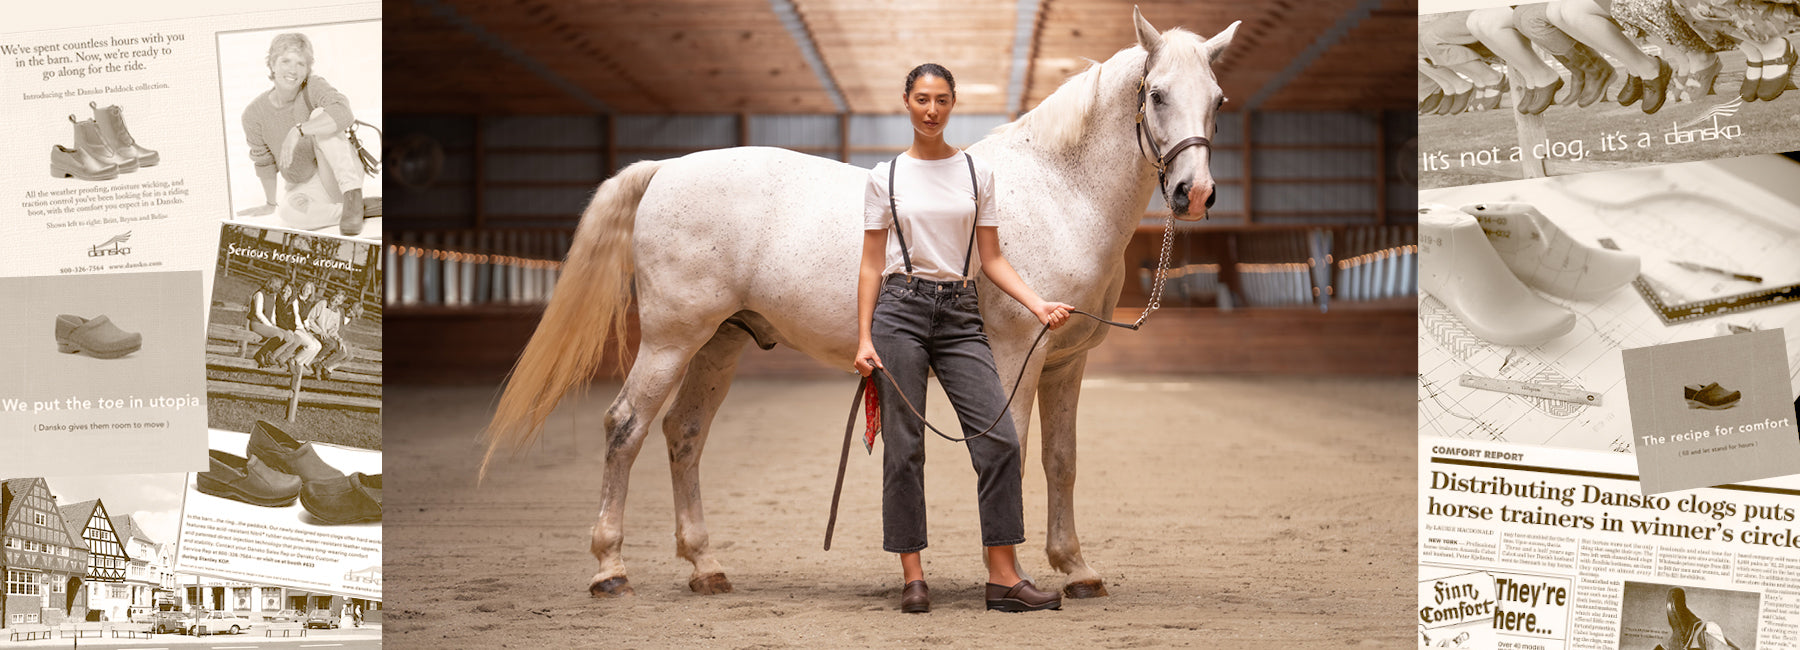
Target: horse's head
column 1180, row 104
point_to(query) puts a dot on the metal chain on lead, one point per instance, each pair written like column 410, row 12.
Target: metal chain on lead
column 1162, row 272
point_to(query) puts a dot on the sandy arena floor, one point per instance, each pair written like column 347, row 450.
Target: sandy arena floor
column 1222, row 512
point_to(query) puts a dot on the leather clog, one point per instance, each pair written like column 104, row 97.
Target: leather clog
column 1022, row 597
column 118, row 138
column 275, row 447
column 248, row 480
column 1711, row 397
column 1538, row 98
column 1656, row 91
column 1430, row 103
column 352, row 499
column 1633, row 90
column 915, row 598
column 97, row 337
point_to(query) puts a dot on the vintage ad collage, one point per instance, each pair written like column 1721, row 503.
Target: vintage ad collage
column 190, row 325
column 1609, row 326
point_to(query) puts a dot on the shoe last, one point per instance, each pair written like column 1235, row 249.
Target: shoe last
column 1459, row 266
column 1547, row 258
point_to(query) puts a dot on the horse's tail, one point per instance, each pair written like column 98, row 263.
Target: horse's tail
column 587, row 309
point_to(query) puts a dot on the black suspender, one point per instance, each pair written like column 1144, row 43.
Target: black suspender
column 974, row 186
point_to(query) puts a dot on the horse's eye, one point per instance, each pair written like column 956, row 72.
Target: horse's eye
column 1156, row 97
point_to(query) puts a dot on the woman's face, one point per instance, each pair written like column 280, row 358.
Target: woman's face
column 290, row 69
column 307, row 290
column 929, row 103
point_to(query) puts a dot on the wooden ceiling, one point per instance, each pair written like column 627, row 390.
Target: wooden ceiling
column 731, row 56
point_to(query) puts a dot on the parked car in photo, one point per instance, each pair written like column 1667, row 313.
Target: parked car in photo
column 167, row 622
column 287, row 616
column 324, row 619
column 218, row 623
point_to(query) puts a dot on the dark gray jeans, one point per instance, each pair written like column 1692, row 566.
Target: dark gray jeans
column 925, row 324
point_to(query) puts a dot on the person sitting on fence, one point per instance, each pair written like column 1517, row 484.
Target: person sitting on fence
column 287, row 317
column 263, row 320
column 309, row 345
column 325, row 322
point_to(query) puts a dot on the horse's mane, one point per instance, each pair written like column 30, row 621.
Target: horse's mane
column 1061, row 119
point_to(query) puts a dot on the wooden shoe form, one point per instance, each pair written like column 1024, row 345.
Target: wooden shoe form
column 1547, row 258
column 1459, row 267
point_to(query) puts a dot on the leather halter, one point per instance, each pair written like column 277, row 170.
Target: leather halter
column 1158, row 159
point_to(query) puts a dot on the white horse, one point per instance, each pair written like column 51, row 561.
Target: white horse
column 762, row 244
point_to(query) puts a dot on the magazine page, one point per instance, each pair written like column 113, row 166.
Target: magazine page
column 1523, row 546
column 1510, row 91
column 99, row 374
column 1608, row 319
column 293, row 360
column 166, row 161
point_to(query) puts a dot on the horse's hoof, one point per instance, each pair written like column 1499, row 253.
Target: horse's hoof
column 611, row 587
column 712, row 583
column 1085, row 589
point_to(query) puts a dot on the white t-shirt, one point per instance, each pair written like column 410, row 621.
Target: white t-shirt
column 936, row 207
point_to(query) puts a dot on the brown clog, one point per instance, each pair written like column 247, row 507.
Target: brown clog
column 1022, row 597
column 98, row 337
column 915, row 598
column 73, row 163
column 247, row 480
column 275, row 447
column 352, row 499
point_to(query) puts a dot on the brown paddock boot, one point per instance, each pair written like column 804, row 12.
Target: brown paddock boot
column 113, row 131
column 90, row 142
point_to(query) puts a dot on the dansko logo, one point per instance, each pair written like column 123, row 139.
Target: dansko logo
column 114, row 246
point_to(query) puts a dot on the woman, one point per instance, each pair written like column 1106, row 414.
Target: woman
column 926, row 316
column 325, row 321
column 296, row 130
column 290, row 318
column 262, row 318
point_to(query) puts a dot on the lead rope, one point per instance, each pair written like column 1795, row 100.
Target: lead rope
column 1156, row 289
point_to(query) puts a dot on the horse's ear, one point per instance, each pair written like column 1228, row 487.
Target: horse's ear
column 1147, row 35
column 1216, row 45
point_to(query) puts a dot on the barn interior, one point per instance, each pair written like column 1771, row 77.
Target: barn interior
column 505, row 116
column 1247, row 458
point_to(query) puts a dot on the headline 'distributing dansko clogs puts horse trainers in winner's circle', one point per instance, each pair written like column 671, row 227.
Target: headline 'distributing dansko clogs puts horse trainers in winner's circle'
column 98, row 337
